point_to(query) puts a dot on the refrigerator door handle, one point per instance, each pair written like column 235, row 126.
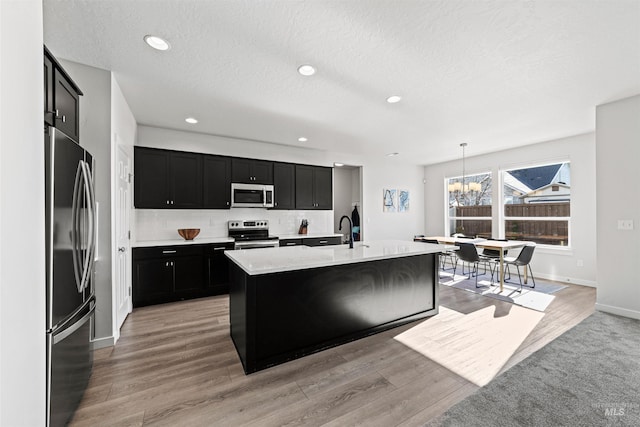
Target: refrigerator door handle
column 89, row 253
column 76, row 246
column 71, row 329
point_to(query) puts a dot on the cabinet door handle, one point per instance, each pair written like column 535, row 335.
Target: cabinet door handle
column 219, row 249
column 290, row 243
column 57, row 113
column 172, row 264
column 323, row 242
column 172, row 202
column 167, row 202
column 168, row 252
column 64, row 119
column 227, row 203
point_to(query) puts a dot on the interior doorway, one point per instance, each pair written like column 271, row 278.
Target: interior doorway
column 347, row 199
column 122, row 288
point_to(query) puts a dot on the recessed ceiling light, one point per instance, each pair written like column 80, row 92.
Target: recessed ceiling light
column 157, row 42
column 393, row 99
column 302, row 139
column 392, row 154
column 338, row 164
column 191, row 120
column 306, row 70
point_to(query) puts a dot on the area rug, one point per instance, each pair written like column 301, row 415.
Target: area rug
column 589, row 376
column 537, row 298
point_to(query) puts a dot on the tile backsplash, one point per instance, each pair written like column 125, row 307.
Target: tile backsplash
column 162, row 224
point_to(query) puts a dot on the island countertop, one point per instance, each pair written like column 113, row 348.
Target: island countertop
column 275, row 260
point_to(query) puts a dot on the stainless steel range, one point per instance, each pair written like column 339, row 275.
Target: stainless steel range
column 252, row 234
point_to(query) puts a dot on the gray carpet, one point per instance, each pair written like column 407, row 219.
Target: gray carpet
column 589, row 376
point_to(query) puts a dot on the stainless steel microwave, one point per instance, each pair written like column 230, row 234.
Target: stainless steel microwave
column 251, row 195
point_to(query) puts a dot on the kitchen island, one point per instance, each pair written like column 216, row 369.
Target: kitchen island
column 288, row 302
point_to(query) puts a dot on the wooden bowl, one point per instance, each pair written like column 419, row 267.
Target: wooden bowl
column 188, row 233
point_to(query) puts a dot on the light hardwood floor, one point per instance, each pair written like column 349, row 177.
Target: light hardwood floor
column 176, row 365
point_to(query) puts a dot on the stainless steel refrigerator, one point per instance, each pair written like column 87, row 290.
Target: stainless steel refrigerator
column 71, row 243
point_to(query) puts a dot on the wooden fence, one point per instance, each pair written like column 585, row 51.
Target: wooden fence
column 543, row 232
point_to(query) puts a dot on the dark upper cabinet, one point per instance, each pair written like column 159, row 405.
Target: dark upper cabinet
column 66, row 107
column 48, row 91
column 185, row 180
column 167, row 179
column 61, row 98
column 216, row 171
column 284, row 184
column 304, row 187
column 323, row 187
column 314, row 187
column 151, row 177
column 251, row 171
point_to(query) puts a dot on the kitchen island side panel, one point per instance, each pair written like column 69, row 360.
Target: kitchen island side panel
column 300, row 312
column 239, row 318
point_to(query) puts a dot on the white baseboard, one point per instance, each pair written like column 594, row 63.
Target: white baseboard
column 102, row 343
column 633, row 314
column 572, row 280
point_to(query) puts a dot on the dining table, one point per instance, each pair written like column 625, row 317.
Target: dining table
column 500, row 245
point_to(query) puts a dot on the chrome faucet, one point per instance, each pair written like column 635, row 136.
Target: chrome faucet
column 350, row 230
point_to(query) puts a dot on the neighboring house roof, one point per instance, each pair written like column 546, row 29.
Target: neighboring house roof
column 537, row 177
column 513, row 183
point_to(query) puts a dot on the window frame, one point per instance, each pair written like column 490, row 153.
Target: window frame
column 503, row 218
column 448, row 218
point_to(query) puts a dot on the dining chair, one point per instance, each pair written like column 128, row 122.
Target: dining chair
column 467, row 252
column 491, row 254
column 444, row 255
column 522, row 260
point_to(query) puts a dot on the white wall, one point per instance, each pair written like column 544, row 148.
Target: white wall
column 618, row 172
column 342, row 197
column 95, row 136
column 378, row 173
column 556, row 264
column 22, row 233
column 123, row 124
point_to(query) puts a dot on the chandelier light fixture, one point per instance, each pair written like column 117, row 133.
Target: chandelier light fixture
column 460, row 186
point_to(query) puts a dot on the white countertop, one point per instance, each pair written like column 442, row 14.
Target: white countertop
column 209, row 240
column 175, row 242
column 275, row 260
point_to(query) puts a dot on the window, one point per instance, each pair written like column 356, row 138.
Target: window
column 469, row 206
column 537, row 204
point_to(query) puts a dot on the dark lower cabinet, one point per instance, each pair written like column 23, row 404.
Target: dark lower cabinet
column 152, row 281
column 188, row 275
column 322, row 241
column 174, row 273
column 290, row 242
column 218, row 268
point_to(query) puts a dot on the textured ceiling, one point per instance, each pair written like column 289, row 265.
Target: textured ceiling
column 495, row 74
